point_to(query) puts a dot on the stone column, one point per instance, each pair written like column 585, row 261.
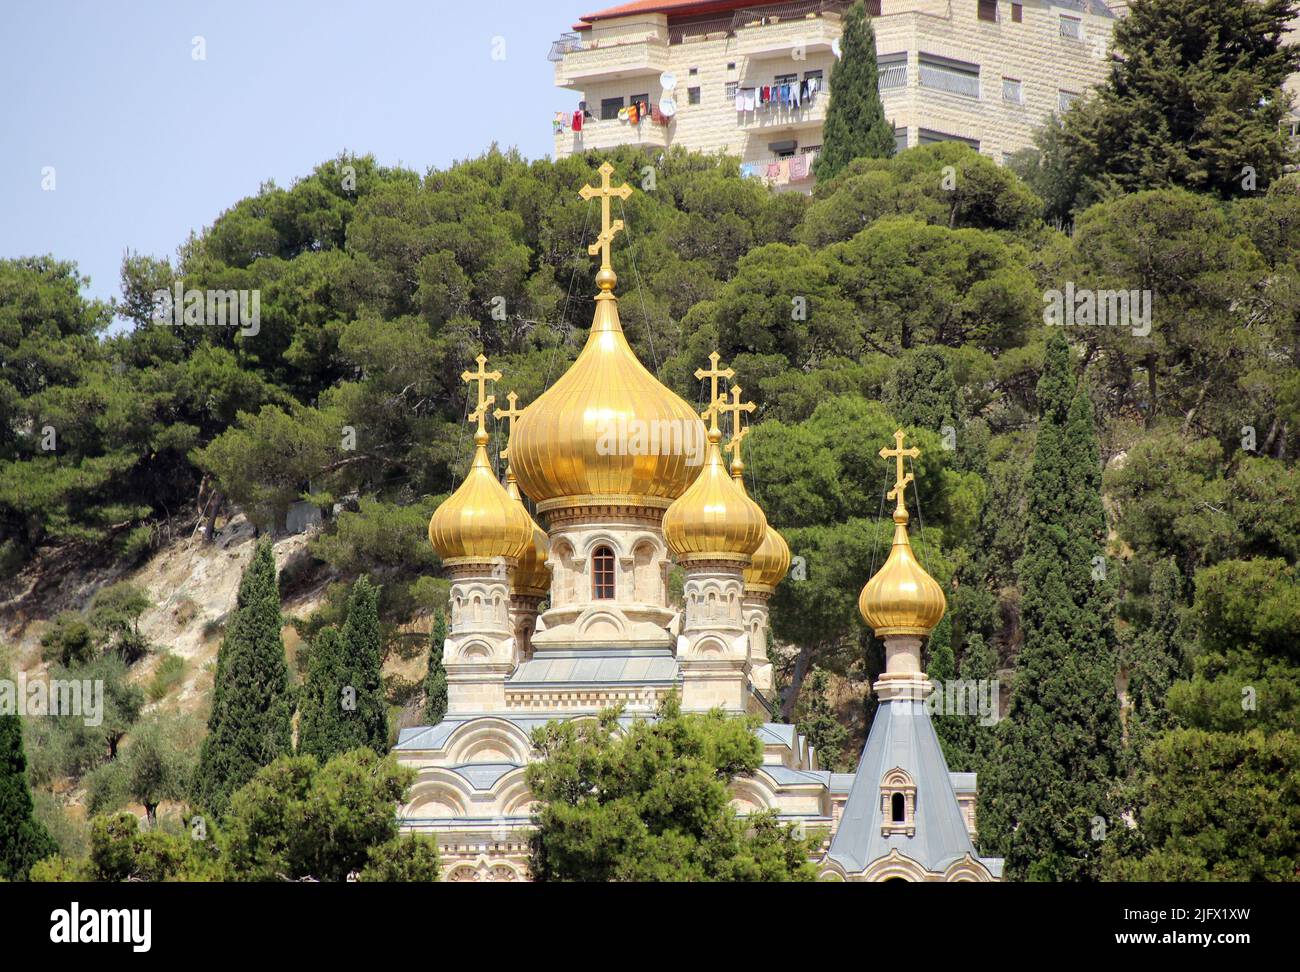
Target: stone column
column 480, row 648
column 523, row 621
column 756, row 629
column 903, row 679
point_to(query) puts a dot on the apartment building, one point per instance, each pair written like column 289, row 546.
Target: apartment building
column 753, row 78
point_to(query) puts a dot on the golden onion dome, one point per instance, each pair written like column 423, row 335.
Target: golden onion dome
column 607, row 431
column 902, row 599
column 770, row 564
column 771, row 561
column 714, row 517
column 532, row 577
column 480, row 521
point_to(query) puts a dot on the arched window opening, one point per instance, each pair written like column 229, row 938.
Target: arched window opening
column 898, row 808
column 602, row 574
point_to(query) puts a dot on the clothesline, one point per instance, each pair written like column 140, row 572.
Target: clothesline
column 780, row 172
column 792, row 94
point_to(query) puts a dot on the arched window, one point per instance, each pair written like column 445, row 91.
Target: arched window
column 898, row 808
column 602, row 574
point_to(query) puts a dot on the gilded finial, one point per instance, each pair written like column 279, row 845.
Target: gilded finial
column 509, row 414
column 606, row 278
column 479, row 415
column 901, row 481
column 739, row 430
column 713, row 373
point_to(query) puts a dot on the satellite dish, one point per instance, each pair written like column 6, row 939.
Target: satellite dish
column 668, row 80
column 668, row 106
column 835, row 48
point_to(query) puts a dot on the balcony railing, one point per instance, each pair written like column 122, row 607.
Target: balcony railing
column 892, row 73
column 564, row 44
column 952, row 78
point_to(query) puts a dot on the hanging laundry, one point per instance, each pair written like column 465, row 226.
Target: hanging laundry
column 751, row 99
column 782, row 173
column 740, row 100
column 773, row 170
column 799, row 168
column 577, row 121
column 633, row 113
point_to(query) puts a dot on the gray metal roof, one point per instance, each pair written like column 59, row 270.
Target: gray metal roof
column 902, row 736
column 483, row 776
column 597, row 667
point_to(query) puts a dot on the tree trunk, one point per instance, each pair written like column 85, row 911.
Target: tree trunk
column 1151, row 391
column 151, row 814
column 801, row 665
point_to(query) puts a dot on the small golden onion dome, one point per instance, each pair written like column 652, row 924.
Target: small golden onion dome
column 714, row 517
column 771, row 561
column 770, row 564
column 532, row 577
column 902, row 599
column 480, row 521
column 607, row 431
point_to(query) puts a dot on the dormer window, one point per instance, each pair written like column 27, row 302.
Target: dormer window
column 898, row 804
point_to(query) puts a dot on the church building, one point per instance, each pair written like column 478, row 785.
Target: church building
column 560, row 623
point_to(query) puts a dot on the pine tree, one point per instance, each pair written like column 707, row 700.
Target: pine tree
column 435, row 681
column 1157, row 657
column 23, row 839
column 363, row 660
column 250, row 722
column 855, row 124
column 1194, row 99
column 826, row 734
column 1049, row 793
column 320, row 721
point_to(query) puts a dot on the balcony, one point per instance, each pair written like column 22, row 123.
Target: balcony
column 614, row 62
column 597, row 134
column 778, row 30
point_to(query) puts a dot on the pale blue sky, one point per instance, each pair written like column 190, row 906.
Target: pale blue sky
column 148, row 143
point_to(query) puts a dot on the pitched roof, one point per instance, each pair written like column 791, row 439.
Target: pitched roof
column 902, row 736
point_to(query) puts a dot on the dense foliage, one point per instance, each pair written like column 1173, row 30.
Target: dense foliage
column 652, row 802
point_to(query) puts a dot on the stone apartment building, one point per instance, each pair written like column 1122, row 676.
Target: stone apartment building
column 752, row 78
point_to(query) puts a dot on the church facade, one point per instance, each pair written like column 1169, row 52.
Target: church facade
column 561, row 623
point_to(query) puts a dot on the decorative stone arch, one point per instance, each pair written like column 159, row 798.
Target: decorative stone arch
column 894, row 865
column 599, row 622
column 647, row 554
column 437, row 793
column 752, row 795
column 488, row 740
column 709, row 647
column 473, row 649
column 604, row 538
column 485, row 869
column 897, row 803
column 513, row 795
column 967, row 869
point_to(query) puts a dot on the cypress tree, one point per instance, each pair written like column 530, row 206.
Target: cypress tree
column 435, row 680
column 363, row 668
column 1157, row 657
column 23, row 839
column 320, row 724
column 250, row 722
column 855, row 124
column 1050, row 785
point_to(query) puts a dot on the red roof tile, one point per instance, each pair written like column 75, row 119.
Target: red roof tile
column 674, row 8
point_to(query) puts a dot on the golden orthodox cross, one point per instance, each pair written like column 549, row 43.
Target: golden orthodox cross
column 898, row 453
column 713, row 375
column 739, row 430
column 482, row 377
column 608, row 229
column 509, row 414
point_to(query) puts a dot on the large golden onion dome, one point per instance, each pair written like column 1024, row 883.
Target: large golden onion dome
column 714, row 517
column 607, row 432
column 532, row 577
column 902, row 599
column 480, row 521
